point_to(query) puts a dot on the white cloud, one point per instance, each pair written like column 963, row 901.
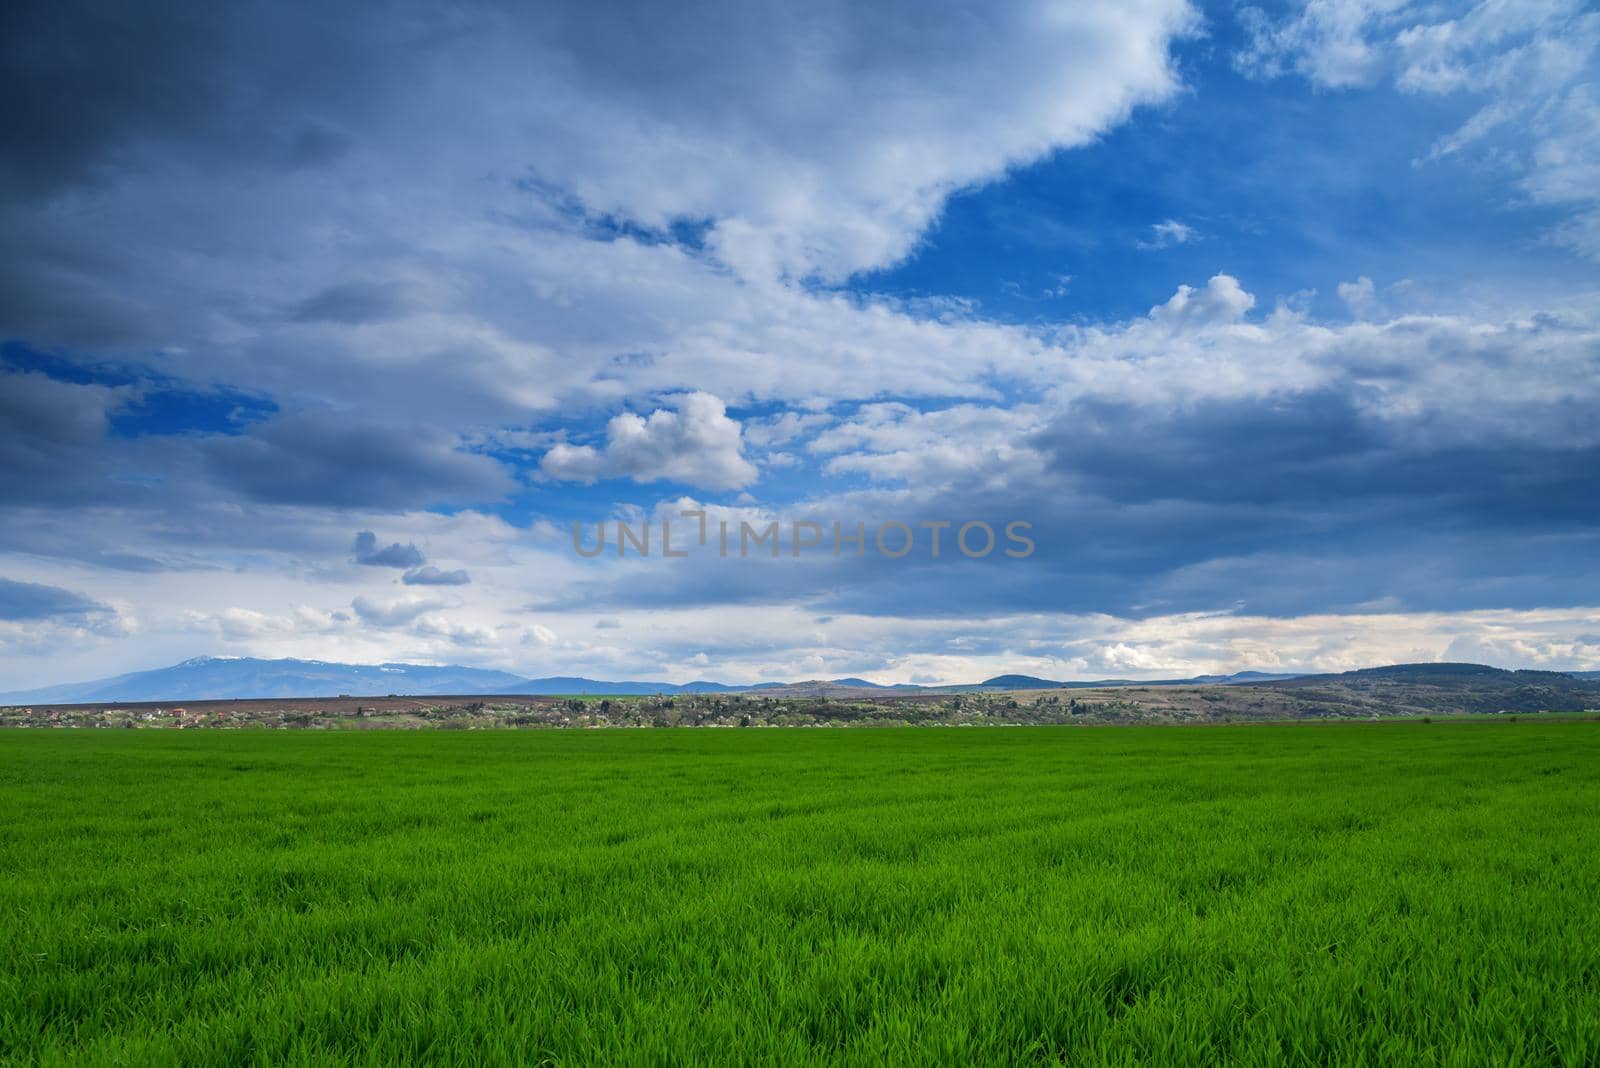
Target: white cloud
column 896, row 443
column 1359, row 296
column 1222, row 300
column 474, row 294
column 1326, row 41
column 460, row 635
column 698, row 445
column 828, row 144
column 783, row 428
column 1526, row 376
column 241, row 624
column 397, row 613
column 1168, row 233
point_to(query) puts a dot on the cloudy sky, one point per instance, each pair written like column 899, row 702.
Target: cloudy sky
column 320, row 325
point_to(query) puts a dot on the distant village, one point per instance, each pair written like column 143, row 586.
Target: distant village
column 677, row 710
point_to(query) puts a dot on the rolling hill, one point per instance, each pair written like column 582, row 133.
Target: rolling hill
column 1446, row 687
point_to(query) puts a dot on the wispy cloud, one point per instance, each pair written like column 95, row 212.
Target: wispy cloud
column 1531, row 67
column 1167, row 233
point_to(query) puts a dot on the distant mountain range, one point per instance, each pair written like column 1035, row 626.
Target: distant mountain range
column 220, row 678
column 223, row 678
column 213, row 677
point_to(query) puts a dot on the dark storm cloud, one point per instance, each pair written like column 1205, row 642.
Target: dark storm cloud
column 367, row 552
column 1284, row 504
column 1235, row 450
column 1320, row 452
column 132, row 400
column 91, row 85
column 175, row 128
column 1140, row 560
column 81, row 442
column 27, row 601
column 1291, row 503
column 51, row 439
column 324, row 458
column 82, row 80
column 354, row 302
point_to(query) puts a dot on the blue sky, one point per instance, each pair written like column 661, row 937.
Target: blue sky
column 1283, row 185
column 1279, row 327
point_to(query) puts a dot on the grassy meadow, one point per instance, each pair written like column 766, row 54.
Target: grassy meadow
column 1399, row 893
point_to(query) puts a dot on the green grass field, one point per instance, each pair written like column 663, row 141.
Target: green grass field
column 1400, row 893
